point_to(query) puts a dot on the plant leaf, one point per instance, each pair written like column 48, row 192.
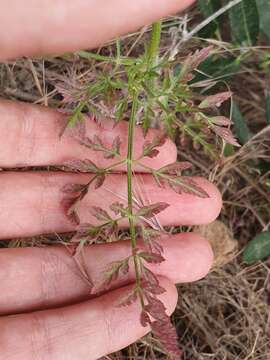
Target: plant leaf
column 87, row 232
column 220, row 120
column 166, row 333
column 97, row 144
column 129, row 299
column 77, row 130
column 150, row 238
column 114, row 270
column 225, row 134
column 99, row 180
column 186, row 185
column 74, row 120
column 240, row 126
column 208, row 7
column 151, row 258
column 198, row 57
column 155, row 308
column 116, row 145
column 192, row 62
column 215, row 67
column 69, row 207
column 258, row 248
column 151, row 210
column 162, row 327
column 215, row 100
column 149, row 147
column 152, row 289
column 73, row 188
column 263, row 7
column 175, row 168
column 145, row 319
column 149, row 276
column 100, row 214
column 118, row 208
column 244, row 22
column 82, row 166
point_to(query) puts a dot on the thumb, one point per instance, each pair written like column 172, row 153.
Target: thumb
column 48, row 26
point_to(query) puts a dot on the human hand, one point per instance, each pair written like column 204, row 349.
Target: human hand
column 42, row 286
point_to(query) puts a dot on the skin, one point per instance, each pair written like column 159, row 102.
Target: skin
column 45, row 307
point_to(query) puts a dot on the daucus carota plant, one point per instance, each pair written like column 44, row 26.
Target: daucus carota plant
column 148, row 91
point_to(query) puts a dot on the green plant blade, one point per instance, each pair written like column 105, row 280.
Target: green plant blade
column 268, row 107
column 217, row 68
column 228, row 150
column 258, row 248
column 240, row 126
column 264, row 12
column 244, row 22
column 207, row 8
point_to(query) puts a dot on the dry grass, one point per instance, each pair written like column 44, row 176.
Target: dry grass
column 226, row 315
column 223, row 317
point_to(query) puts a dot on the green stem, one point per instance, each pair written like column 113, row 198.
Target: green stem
column 131, row 127
column 121, row 162
column 153, row 48
column 152, row 56
column 118, row 52
column 174, row 180
column 93, row 56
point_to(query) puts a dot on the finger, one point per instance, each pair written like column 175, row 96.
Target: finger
column 40, row 278
column 87, row 330
column 29, row 136
column 31, row 204
column 47, row 26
